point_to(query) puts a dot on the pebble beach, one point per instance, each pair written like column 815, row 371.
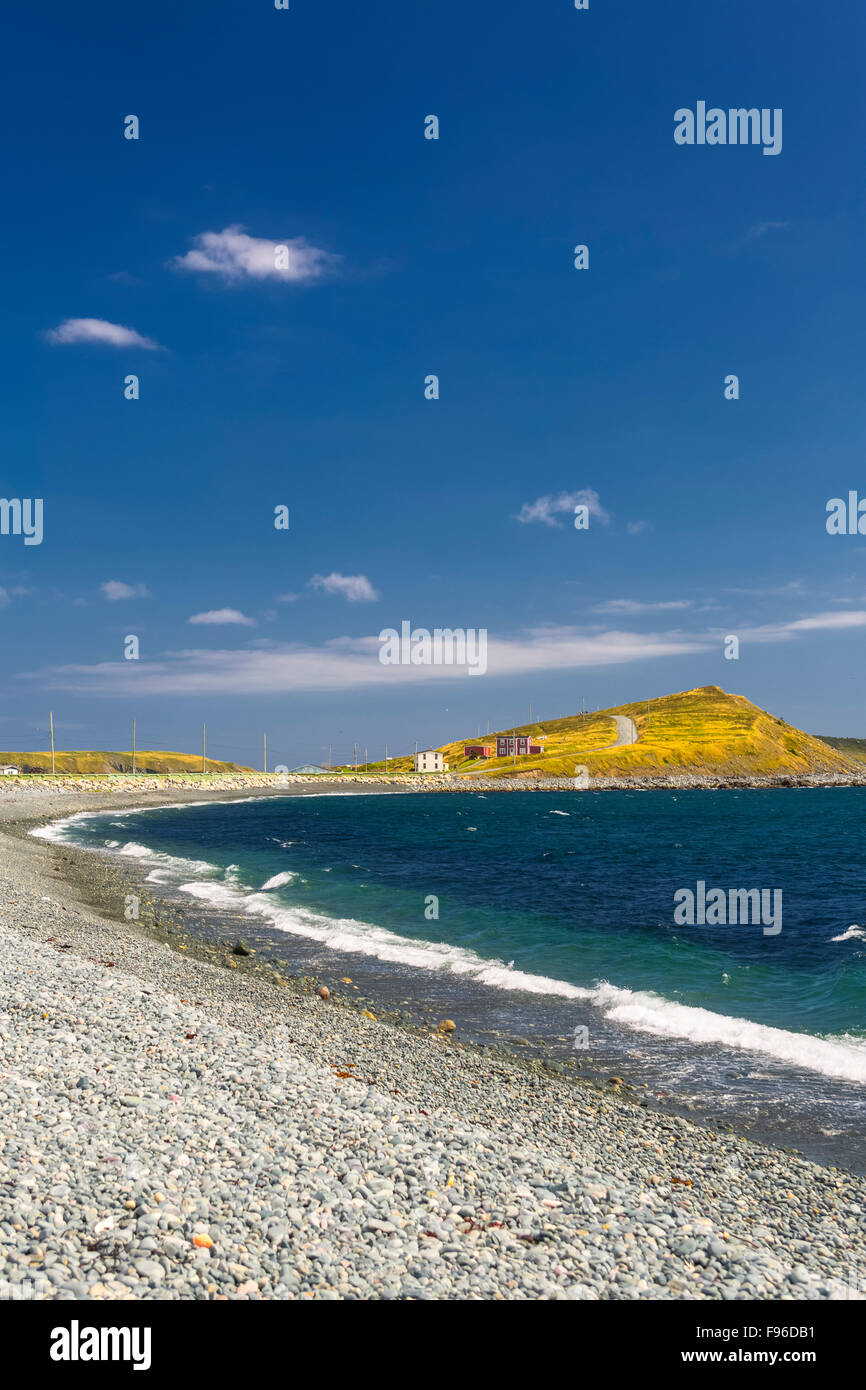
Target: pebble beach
column 171, row 1128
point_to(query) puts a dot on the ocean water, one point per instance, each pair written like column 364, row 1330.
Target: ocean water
column 551, row 916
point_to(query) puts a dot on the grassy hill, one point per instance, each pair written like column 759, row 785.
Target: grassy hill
column 853, row 747
column 703, row 731
column 94, row 763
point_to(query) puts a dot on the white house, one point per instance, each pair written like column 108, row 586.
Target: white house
column 429, row 761
column 7, row 770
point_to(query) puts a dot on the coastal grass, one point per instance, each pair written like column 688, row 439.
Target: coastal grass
column 705, row 731
column 853, row 747
column 86, row 763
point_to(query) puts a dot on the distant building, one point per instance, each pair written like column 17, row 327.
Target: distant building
column 478, row 750
column 7, row 770
column 429, row 761
column 521, row 746
column 307, row 768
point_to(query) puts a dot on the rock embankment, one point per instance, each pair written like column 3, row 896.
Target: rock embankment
column 124, row 784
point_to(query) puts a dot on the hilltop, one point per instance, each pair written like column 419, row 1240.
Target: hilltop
column 86, row 763
column 702, row 732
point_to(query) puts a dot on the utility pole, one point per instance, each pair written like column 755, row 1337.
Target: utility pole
column 51, row 726
column 355, row 747
column 203, row 758
column 133, row 747
column 266, row 754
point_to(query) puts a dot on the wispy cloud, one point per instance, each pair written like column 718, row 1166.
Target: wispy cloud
column 346, row 663
column 219, row 616
column 234, row 256
column 99, row 331
column 5, row 600
column 818, row 622
column 287, row 598
column 352, row 663
column 116, row 589
column 632, row 605
column 793, row 588
column 546, row 509
column 635, row 528
column 354, row 587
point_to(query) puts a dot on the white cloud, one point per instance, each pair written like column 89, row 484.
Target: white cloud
column 99, row 331
column 546, row 509
column 218, row 616
column 287, row 598
column 352, row 663
column 635, row 528
column 347, row 663
column 234, row 256
column 116, row 589
column 631, row 605
column 794, row 587
column 819, row 622
column 4, row 598
column 354, row 587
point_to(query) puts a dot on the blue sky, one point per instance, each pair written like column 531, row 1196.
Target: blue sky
column 413, row 257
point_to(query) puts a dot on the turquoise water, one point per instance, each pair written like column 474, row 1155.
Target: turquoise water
column 564, row 900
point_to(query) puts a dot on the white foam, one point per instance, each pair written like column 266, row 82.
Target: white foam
column 648, row 1012
column 349, row 934
column 278, row 880
column 559, row 813
column 854, row 933
column 176, row 865
column 644, row 1011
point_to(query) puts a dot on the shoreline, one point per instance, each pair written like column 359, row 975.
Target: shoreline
column 279, row 784
column 721, row 1216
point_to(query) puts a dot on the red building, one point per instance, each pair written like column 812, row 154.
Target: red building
column 478, row 750
column 522, row 746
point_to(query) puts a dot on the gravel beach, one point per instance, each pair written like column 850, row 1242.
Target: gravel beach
column 176, row 1129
